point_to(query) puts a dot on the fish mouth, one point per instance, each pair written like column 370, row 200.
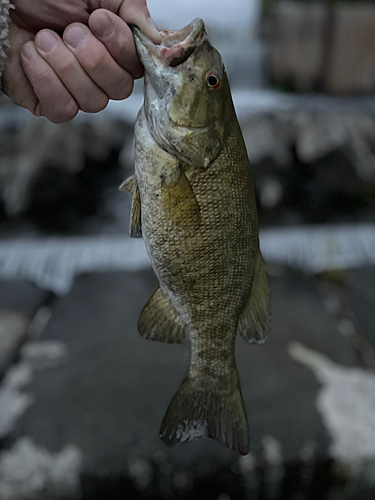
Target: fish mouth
column 176, row 46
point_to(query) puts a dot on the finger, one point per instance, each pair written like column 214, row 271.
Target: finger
column 56, row 103
column 136, row 12
column 88, row 95
column 98, row 62
column 116, row 35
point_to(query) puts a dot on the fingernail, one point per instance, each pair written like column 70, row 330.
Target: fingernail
column 155, row 32
column 28, row 50
column 102, row 26
column 75, row 36
column 46, row 41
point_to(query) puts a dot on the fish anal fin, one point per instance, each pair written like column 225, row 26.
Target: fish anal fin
column 255, row 319
column 159, row 321
column 201, row 409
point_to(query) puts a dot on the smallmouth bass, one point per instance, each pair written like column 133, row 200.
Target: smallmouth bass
column 194, row 205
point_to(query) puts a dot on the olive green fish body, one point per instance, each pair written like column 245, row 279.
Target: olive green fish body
column 198, row 219
column 203, row 242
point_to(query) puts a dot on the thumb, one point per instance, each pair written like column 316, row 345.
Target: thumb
column 136, row 12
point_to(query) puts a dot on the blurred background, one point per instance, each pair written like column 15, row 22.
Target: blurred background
column 82, row 395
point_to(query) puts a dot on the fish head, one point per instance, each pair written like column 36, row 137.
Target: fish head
column 187, row 95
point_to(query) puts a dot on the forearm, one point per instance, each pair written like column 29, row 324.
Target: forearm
column 5, row 6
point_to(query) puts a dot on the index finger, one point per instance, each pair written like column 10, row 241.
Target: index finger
column 116, row 35
column 136, row 12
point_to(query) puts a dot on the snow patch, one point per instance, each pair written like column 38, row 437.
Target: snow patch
column 27, row 470
column 346, row 402
column 46, row 354
column 13, row 402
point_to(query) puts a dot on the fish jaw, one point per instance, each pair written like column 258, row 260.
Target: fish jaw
column 175, row 48
column 184, row 116
column 164, row 66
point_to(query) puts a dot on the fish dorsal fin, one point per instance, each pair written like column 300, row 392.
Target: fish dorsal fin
column 159, row 321
column 255, row 319
column 128, row 185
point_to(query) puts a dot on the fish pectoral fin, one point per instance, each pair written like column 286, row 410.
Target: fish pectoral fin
column 159, row 321
column 203, row 408
column 179, row 201
column 128, row 185
column 254, row 322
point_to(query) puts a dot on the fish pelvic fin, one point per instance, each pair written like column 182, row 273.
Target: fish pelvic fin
column 255, row 320
column 159, row 321
column 203, row 409
column 131, row 186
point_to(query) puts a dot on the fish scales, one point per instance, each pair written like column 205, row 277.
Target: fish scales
column 202, row 268
column 197, row 215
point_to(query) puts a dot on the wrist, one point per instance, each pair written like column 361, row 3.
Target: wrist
column 5, row 7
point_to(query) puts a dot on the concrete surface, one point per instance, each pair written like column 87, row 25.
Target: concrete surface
column 103, row 399
column 21, row 296
column 360, row 290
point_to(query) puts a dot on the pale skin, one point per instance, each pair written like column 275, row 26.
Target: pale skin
column 71, row 55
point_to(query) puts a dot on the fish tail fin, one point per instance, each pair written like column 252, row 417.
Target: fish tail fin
column 201, row 408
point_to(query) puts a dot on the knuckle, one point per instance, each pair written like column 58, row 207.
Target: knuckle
column 95, row 105
column 63, row 113
column 66, row 64
column 118, row 48
column 124, row 44
column 123, row 90
column 97, row 63
column 42, row 76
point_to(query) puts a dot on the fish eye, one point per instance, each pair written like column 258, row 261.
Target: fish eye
column 213, row 81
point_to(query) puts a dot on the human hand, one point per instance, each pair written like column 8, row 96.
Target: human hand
column 65, row 56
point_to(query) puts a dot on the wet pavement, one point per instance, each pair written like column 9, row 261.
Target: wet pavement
column 96, row 393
